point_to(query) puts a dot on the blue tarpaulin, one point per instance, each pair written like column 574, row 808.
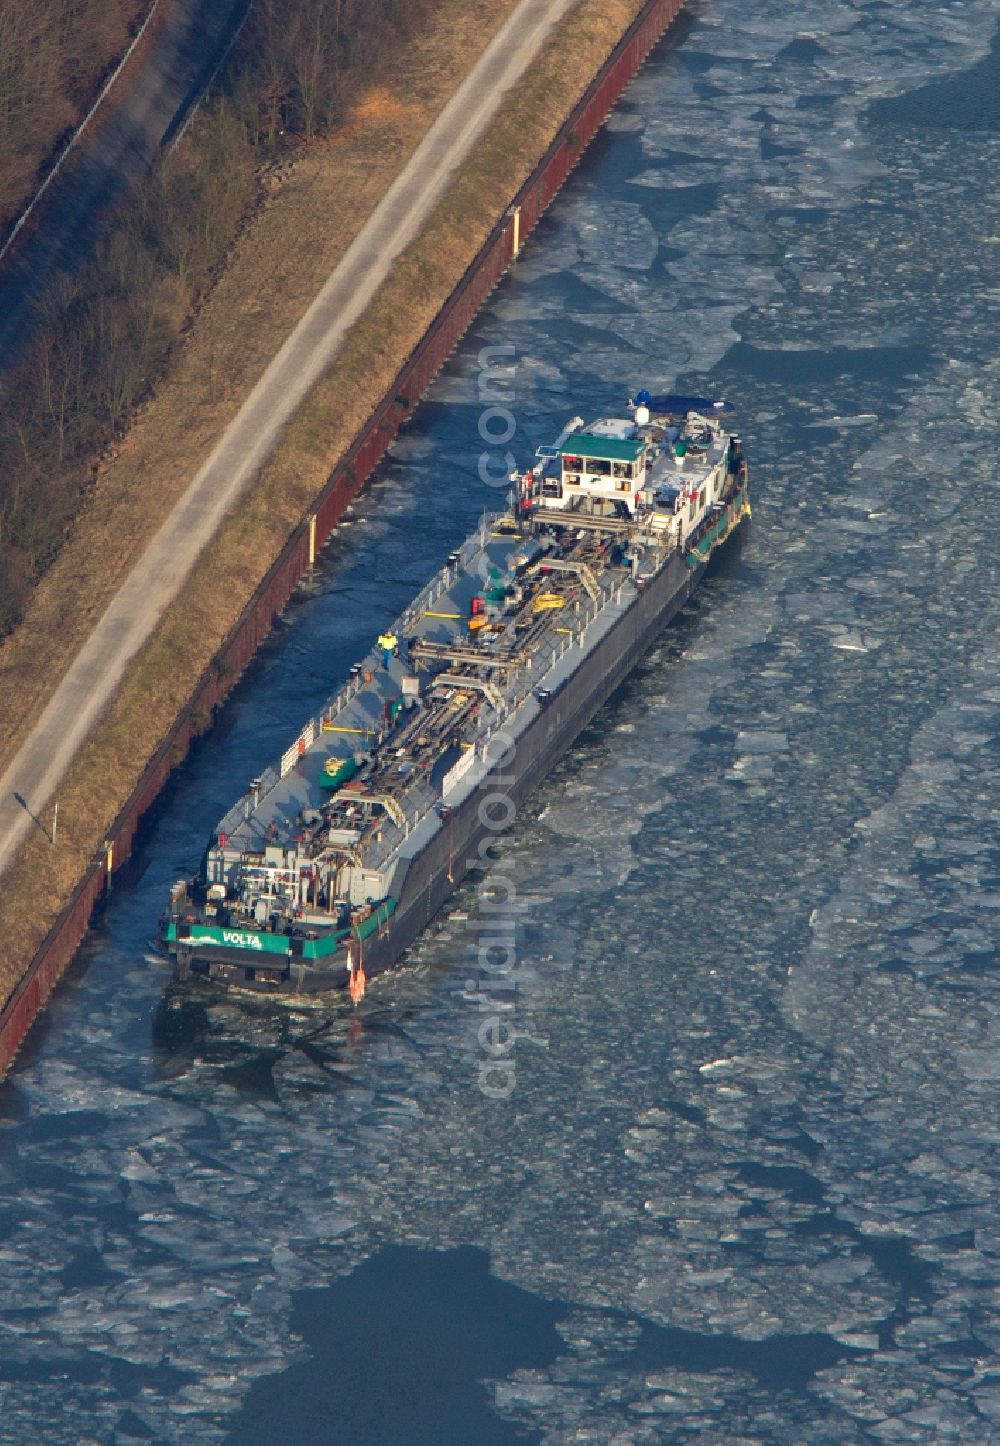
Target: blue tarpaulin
column 680, row 406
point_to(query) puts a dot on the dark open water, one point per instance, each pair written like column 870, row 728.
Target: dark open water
column 744, row 1188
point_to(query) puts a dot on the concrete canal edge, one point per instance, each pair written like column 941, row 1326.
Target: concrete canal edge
column 500, row 248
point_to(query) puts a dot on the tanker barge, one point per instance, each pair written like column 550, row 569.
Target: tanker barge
column 337, row 857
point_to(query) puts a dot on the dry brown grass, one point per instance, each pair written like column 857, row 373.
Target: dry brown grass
column 379, row 107
column 54, row 57
column 276, row 269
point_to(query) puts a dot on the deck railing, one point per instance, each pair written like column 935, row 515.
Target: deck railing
column 550, row 651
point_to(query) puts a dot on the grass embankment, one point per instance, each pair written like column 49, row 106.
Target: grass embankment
column 277, row 266
column 53, row 57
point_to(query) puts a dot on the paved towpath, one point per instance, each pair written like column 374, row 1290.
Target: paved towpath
column 29, row 784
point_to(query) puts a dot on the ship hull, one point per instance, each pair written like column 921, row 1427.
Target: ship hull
column 438, row 870
column 455, row 852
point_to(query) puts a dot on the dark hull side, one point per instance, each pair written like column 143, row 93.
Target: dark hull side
column 435, row 874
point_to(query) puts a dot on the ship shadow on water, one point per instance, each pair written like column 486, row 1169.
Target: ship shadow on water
column 244, row 1038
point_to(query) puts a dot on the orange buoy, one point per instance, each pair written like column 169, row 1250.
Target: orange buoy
column 356, row 984
column 356, row 979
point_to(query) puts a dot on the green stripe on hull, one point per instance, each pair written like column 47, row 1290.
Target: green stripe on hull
column 324, row 946
column 330, row 943
column 264, row 943
column 705, row 546
column 375, row 919
column 239, row 939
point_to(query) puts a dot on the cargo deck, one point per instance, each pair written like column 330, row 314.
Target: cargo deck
column 325, row 846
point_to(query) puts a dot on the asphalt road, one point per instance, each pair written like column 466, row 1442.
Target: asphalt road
column 32, row 780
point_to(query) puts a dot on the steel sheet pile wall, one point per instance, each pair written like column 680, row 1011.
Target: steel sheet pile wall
column 345, row 483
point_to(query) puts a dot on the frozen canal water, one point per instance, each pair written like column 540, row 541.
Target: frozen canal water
column 745, row 1186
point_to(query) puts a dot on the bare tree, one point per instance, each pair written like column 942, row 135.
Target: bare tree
column 315, row 69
